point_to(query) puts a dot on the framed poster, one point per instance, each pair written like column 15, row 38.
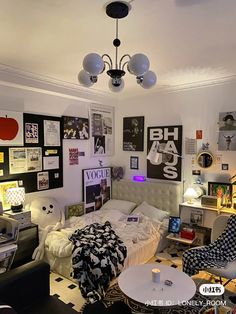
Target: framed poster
column 96, row 188
column 164, row 148
column 11, row 128
column 223, row 191
column 102, row 130
column 134, row 162
column 75, row 128
column 133, row 133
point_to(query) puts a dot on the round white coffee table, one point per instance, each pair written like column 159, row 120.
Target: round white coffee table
column 136, row 283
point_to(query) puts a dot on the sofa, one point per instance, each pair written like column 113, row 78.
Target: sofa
column 27, row 290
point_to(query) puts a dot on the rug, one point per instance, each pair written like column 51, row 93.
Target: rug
column 198, row 305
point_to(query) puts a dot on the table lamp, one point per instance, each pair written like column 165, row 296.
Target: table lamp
column 16, row 197
column 190, row 194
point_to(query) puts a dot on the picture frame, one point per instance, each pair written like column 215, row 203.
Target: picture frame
column 196, row 217
column 74, row 210
column 75, row 128
column 225, row 167
column 134, row 162
column 96, row 187
column 222, row 190
column 133, row 133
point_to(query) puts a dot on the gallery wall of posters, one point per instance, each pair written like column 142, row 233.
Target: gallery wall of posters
column 37, row 163
column 162, row 165
column 101, row 130
column 133, row 133
column 96, row 188
column 227, row 131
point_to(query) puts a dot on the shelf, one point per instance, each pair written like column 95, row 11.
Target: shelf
column 177, row 238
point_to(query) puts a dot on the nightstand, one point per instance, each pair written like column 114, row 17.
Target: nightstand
column 177, row 238
column 27, row 242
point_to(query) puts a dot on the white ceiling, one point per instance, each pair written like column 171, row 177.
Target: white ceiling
column 187, row 41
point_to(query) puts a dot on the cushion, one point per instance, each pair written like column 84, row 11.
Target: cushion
column 150, row 211
column 125, row 207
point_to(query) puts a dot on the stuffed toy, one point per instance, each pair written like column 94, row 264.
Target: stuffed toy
column 46, row 213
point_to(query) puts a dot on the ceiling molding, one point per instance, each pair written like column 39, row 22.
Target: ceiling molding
column 16, row 78
column 181, row 87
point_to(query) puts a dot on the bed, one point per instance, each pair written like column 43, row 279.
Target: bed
column 164, row 196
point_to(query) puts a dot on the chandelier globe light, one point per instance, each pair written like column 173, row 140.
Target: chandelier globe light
column 138, row 64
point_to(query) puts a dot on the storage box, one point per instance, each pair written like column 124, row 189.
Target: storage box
column 23, row 218
column 190, row 235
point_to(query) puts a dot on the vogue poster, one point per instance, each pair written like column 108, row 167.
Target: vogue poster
column 96, row 188
column 102, row 130
column 133, row 132
column 164, row 149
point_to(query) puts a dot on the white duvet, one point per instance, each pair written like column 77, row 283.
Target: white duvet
column 58, row 244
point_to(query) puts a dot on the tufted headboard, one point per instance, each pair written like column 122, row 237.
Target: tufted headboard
column 163, row 195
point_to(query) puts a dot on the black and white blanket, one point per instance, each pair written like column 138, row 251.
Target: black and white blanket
column 217, row 254
column 98, row 256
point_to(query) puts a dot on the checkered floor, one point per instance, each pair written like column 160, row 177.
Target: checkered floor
column 69, row 293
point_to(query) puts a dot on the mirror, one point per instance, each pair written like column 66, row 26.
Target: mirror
column 205, row 159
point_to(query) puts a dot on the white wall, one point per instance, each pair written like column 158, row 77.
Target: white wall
column 44, row 102
column 194, row 109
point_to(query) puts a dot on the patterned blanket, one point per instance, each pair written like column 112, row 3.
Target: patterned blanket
column 98, row 256
column 217, row 254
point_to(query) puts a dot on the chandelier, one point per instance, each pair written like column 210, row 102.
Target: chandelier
column 138, row 64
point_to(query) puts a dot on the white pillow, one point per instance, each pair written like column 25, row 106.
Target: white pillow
column 125, row 207
column 151, row 211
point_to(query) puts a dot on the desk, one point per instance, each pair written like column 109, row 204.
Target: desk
column 136, row 283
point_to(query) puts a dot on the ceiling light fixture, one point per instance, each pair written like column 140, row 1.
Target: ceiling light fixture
column 138, row 64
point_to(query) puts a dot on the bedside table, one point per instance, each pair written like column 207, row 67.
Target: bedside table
column 177, row 238
column 28, row 240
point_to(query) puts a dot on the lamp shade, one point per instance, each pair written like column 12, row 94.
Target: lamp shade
column 16, row 197
column 84, row 78
column 190, row 194
column 114, row 88
column 93, row 64
column 138, row 64
column 149, row 80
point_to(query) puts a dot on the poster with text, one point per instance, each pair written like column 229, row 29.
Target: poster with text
column 133, row 132
column 51, row 133
column 164, row 148
column 42, row 180
column 102, row 130
column 11, row 128
column 31, row 133
column 25, row 159
column 96, row 187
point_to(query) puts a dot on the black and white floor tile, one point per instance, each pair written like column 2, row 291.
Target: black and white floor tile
column 69, row 292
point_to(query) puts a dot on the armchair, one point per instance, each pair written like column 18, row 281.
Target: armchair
column 219, row 257
column 26, row 289
column 229, row 271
